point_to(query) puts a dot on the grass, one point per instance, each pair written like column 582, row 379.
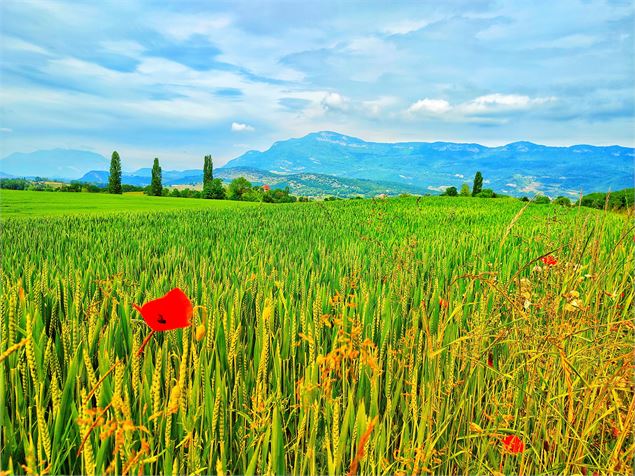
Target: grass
column 17, row 203
column 395, row 336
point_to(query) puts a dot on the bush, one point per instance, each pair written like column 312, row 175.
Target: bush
column 562, row 201
column 451, row 192
column 486, row 193
column 619, row 200
column 238, row 188
column 541, row 200
column 214, row 190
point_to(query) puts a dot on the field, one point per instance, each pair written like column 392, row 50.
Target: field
column 380, row 337
column 18, row 203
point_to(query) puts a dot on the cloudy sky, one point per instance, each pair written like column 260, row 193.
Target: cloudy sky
column 182, row 79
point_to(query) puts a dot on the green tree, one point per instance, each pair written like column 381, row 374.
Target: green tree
column 114, row 181
column 465, row 190
column 450, row 192
column 486, row 193
column 563, row 201
column 215, row 190
column 156, row 187
column 478, row 184
column 541, row 200
column 208, row 176
column 238, row 187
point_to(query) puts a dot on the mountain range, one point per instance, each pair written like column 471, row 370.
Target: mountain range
column 328, row 163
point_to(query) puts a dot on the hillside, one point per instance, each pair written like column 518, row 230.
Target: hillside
column 517, row 168
column 307, row 184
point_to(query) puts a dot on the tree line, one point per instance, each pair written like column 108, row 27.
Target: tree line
column 213, row 189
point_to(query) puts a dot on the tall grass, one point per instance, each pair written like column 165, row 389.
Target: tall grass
column 382, row 337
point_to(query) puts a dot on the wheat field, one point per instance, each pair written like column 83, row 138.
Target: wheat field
column 399, row 336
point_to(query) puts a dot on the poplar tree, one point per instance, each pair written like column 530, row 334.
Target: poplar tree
column 208, row 177
column 478, row 184
column 114, row 181
column 155, row 186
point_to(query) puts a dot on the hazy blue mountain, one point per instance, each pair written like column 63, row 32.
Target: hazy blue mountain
column 328, row 163
column 54, row 163
column 518, row 168
column 142, row 178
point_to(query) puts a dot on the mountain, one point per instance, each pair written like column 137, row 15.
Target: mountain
column 142, row 178
column 311, row 184
column 328, row 163
column 300, row 184
column 54, row 163
column 518, row 168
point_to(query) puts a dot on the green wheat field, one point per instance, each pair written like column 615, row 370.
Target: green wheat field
column 398, row 336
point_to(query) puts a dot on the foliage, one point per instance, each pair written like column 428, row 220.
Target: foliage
column 114, row 180
column 478, row 184
column 486, row 193
column 14, row 184
column 208, row 177
column 562, row 201
column 238, row 188
column 450, row 192
column 156, row 188
column 278, row 195
column 326, row 336
column 465, row 190
column 541, row 200
column 619, row 200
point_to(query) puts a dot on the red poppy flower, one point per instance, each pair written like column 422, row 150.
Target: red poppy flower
column 549, row 260
column 172, row 311
column 443, row 303
column 490, row 360
column 513, row 444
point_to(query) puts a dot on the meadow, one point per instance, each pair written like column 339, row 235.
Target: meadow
column 399, row 336
column 19, row 203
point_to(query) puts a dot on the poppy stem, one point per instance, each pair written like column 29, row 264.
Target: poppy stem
column 145, row 341
column 92, row 427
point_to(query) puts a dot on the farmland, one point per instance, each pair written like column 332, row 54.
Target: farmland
column 25, row 203
column 387, row 336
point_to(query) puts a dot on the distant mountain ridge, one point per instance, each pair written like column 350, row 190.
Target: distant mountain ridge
column 517, row 168
column 52, row 163
column 328, row 163
column 301, row 184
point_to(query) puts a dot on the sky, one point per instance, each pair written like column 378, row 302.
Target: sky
column 179, row 80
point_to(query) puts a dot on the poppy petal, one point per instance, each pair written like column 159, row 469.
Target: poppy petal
column 172, row 311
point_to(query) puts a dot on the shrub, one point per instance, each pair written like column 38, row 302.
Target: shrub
column 541, row 200
column 563, row 201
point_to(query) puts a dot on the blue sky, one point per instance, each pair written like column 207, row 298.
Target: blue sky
column 179, row 80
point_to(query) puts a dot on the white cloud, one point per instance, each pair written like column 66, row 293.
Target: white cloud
column 335, row 101
column 377, row 106
column 6, row 130
column 406, row 26
column 240, row 127
column 440, row 188
column 499, row 101
column 437, row 106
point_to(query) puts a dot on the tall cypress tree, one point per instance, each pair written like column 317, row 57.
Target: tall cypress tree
column 478, row 184
column 114, row 181
column 155, row 186
column 208, row 176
